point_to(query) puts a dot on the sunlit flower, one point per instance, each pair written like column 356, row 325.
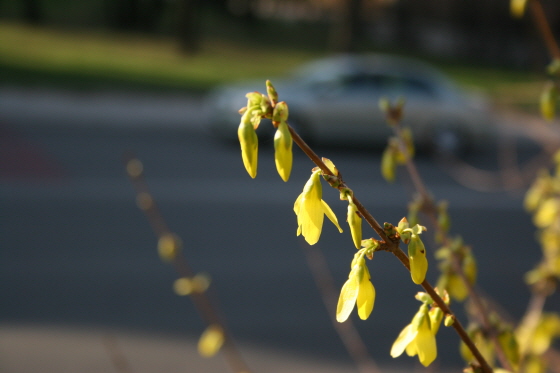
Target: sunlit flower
column 283, row 151
column 417, row 338
column 417, row 254
column 311, row 209
column 249, row 145
column 357, row 290
column 355, row 223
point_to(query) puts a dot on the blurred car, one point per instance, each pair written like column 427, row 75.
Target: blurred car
column 336, row 101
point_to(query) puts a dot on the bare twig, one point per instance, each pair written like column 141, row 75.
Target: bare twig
column 206, row 308
column 118, row 358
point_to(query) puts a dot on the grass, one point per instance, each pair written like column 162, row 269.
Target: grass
column 36, row 55
column 89, row 59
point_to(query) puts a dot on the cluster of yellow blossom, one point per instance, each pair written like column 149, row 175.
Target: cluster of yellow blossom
column 258, row 107
column 419, row 337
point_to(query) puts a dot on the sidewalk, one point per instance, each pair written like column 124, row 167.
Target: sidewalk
column 55, row 349
column 99, row 109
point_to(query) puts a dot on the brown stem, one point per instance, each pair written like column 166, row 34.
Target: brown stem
column 393, row 246
column 205, row 307
column 543, row 26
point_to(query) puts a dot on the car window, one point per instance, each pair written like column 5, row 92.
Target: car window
column 384, row 84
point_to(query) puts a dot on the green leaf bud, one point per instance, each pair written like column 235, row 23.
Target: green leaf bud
column 449, row 320
column 271, row 91
column 280, row 113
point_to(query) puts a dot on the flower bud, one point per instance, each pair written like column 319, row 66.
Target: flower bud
column 389, row 165
column 211, row 341
column 271, row 91
column 436, row 315
column 280, row 113
column 169, row 246
column 449, row 320
column 418, row 261
column 283, row 151
column 549, row 97
column 249, row 145
column 355, row 223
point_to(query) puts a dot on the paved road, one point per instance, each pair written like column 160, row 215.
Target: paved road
column 76, row 251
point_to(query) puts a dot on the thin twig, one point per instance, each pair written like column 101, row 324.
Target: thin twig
column 205, row 307
column 118, row 358
column 544, row 28
column 392, row 245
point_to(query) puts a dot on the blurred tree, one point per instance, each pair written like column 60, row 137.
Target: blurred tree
column 347, row 30
column 188, row 25
column 33, row 12
column 135, row 15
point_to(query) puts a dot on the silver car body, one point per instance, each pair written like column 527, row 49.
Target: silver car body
column 336, row 100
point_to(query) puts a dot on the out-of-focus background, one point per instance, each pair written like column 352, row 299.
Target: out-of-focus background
column 83, row 82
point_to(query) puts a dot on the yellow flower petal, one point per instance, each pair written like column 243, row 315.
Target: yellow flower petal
column 330, row 214
column 425, row 343
column 405, row 337
column 366, row 297
column 311, row 219
column 348, row 296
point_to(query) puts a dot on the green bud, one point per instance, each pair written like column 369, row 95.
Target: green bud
column 389, row 229
column 249, row 146
column 280, row 113
column 417, row 258
column 271, row 91
column 549, row 97
column 449, row 320
column 283, row 155
column 423, row 297
column 403, row 230
column 355, row 223
column 389, row 164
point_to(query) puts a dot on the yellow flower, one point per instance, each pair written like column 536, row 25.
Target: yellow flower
column 357, row 290
column 417, row 254
column 417, row 338
column 211, row 341
column 249, row 144
column 310, row 210
column 283, row 151
column 355, row 223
